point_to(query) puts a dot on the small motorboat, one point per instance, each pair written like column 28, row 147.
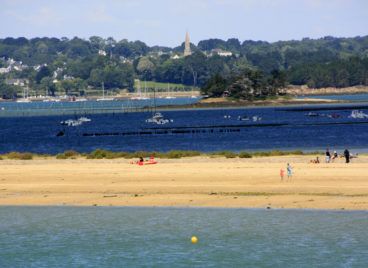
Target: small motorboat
column 71, row 123
column 356, row 114
column 84, row 119
column 159, row 119
column 256, row 118
column 243, row 118
column 311, row 114
column 334, row 116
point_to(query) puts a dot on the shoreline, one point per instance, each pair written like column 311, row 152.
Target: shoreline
column 303, row 90
column 189, row 183
column 213, row 103
column 188, row 207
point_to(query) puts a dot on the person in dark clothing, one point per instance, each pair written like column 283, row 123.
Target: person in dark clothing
column 347, row 156
column 328, row 156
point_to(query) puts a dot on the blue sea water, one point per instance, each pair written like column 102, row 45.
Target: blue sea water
column 39, row 108
column 160, row 237
column 284, row 128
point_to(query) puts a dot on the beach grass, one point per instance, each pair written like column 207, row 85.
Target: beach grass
column 19, row 156
column 174, row 154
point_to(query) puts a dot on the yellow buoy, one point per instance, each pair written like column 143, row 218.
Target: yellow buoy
column 194, row 239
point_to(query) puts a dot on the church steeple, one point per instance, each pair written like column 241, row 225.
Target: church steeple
column 187, row 51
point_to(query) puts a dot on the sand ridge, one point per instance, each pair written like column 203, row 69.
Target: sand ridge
column 187, row 182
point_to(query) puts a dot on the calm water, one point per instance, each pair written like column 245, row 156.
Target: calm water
column 58, row 108
column 280, row 128
column 160, row 237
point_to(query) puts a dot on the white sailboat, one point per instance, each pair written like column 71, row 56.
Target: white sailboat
column 193, row 96
column 168, row 93
column 25, row 98
column 139, row 95
column 103, row 95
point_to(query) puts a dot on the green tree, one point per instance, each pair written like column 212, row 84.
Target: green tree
column 8, row 91
column 146, row 68
column 43, row 72
column 48, row 86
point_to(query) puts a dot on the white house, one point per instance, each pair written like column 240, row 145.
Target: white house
column 5, row 70
column 221, row 53
column 102, row 52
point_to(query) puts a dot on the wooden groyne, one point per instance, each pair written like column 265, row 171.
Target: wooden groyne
column 206, row 129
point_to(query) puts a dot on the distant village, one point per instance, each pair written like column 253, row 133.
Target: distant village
column 9, row 64
column 43, row 67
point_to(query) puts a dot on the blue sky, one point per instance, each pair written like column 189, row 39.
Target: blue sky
column 164, row 22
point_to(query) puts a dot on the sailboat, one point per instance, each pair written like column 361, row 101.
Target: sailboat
column 25, row 97
column 103, row 95
column 193, row 96
column 168, row 93
column 139, row 92
column 157, row 117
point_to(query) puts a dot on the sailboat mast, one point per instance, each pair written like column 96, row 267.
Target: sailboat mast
column 145, row 88
column 103, row 90
column 154, row 100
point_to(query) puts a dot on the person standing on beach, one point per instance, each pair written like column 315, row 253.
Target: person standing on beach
column 334, row 156
column 347, row 156
column 289, row 171
column 282, row 173
column 328, row 156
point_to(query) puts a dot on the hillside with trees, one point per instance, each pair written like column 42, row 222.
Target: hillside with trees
column 75, row 65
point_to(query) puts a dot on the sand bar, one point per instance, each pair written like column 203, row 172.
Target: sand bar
column 188, row 182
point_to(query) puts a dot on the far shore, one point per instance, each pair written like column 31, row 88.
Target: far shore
column 188, row 182
column 305, row 91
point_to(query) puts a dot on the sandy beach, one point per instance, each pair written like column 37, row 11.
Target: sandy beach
column 187, row 182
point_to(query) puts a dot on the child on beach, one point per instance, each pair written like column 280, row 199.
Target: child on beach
column 289, row 171
column 282, row 173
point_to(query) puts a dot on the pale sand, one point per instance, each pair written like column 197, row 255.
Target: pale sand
column 189, row 182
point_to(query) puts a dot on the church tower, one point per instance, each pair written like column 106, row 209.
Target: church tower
column 187, row 51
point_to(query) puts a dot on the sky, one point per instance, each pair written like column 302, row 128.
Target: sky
column 164, row 22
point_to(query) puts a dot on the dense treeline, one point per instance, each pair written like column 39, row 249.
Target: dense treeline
column 248, row 85
column 78, row 64
column 338, row 73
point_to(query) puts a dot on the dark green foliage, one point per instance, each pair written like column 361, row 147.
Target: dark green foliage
column 42, row 73
column 8, row 91
column 216, row 86
column 328, row 61
column 249, row 85
column 339, row 73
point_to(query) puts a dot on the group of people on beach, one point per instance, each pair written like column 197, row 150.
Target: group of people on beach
column 330, row 158
column 289, row 170
column 149, row 161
